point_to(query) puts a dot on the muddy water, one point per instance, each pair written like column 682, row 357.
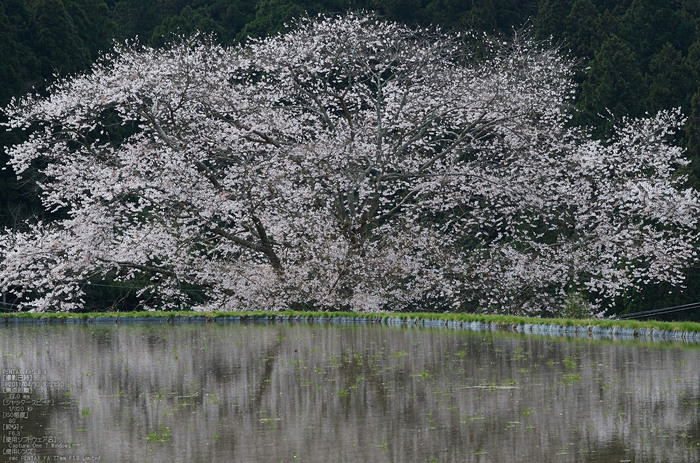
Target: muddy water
column 252, row 393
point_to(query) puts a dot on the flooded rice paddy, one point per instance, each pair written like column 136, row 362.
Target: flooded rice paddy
column 319, row 393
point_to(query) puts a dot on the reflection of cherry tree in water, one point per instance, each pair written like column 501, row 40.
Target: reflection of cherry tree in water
column 322, row 391
column 349, row 164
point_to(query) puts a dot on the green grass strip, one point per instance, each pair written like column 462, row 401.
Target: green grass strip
column 463, row 317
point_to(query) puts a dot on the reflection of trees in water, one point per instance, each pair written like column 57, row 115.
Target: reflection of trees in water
column 241, row 393
column 613, row 449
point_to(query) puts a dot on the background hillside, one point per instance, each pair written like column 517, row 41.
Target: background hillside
column 635, row 57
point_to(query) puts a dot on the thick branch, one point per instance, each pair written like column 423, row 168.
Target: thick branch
column 266, row 244
column 239, row 241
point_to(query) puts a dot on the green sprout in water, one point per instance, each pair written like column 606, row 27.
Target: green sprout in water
column 519, row 354
column 571, row 378
column 270, row 422
column 569, row 363
column 431, row 420
column 159, row 438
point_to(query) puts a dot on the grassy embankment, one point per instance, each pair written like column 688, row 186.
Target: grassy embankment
column 464, row 317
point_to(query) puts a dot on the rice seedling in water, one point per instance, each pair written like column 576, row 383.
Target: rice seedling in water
column 159, row 438
column 571, row 378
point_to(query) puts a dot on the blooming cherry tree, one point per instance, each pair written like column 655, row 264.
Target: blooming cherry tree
column 347, row 164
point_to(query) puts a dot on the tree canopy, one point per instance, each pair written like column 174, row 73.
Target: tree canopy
column 350, row 163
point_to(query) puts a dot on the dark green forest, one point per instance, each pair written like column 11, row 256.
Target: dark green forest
column 634, row 57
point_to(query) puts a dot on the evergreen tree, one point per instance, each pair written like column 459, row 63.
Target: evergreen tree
column 670, row 80
column 91, row 21
column 612, row 85
column 647, row 25
column 551, row 17
column 185, row 24
column 59, row 47
column 10, row 65
column 580, row 28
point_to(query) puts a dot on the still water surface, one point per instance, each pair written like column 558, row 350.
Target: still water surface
column 267, row 393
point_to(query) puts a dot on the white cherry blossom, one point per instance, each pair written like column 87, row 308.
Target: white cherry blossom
column 348, row 164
